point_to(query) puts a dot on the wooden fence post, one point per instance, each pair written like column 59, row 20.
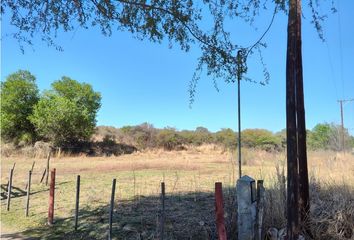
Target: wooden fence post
column 260, row 210
column 9, row 188
column 51, row 198
column 28, row 191
column 77, row 201
column 31, row 173
column 47, row 169
column 162, row 220
column 111, row 209
column 219, row 212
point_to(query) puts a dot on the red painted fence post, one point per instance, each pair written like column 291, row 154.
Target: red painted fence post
column 51, row 197
column 219, row 212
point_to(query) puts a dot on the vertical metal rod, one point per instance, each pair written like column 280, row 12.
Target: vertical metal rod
column 219, row 212
column 51, row 197
column 239, row 126
column 111, row 209
column 342, row 123
column 162, row 223
column 77, row 201
column 9, row 188
column 28, row 191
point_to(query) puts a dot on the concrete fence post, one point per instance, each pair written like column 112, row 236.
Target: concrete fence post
column 246, row 208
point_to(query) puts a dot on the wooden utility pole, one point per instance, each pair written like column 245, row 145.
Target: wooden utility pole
column 342, row 119
column 297, row 187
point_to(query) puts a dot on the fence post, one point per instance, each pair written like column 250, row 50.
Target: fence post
column 246, row 207
column 111, row 209
column 51, row 198
column 47, row 169
column 9, row 188
column 219, row 212
column 162, row 221
column 28, row 191
column 77, row 201
column 260, row 210
column 31, row 173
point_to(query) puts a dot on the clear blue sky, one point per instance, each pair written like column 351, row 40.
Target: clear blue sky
column 142, row 81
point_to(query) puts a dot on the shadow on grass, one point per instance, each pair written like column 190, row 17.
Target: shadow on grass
column 187, row 216
column 191, row 216
column 18, row 192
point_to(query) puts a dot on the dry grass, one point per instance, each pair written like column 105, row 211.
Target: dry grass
column 189, row 176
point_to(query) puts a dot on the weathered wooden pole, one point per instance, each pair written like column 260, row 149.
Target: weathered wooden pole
column 31, row 173
column 219, row 212
column 28, row 191
column 111, row 209
column 47, row 169
column 298, row 204
column 9, row 188
column 77, row 201
column 162, row 220
column 51, row 198
column 304, row 195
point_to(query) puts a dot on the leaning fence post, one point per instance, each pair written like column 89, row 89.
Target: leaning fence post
column 47, row 169
column 219, row 211
column 9, row 188
column 28, row 191
column 77, row 201
column 111, row 209
column 51, row 198
column 162, row 221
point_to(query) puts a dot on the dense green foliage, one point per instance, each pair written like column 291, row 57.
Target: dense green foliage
column 19, row 94
column 260, row 138
column 328, row 136
column 66, row 114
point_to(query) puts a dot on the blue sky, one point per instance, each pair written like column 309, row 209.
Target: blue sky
column 142, row 81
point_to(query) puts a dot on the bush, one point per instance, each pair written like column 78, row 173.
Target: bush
column 169, row 139
column 260, row 138
column 226, row 138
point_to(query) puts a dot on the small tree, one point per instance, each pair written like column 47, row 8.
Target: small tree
column 66, row 115
column 19, row 94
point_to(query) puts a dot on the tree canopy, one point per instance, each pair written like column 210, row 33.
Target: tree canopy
column 66, row 114
column 19, row 94
column 186, row 23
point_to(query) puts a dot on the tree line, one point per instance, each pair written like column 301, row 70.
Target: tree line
column 65, row 116
column 323, row 136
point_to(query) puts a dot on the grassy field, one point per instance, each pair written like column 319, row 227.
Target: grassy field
column 189, row 176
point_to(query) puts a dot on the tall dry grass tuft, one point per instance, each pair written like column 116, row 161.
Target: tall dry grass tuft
column 332, row 207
